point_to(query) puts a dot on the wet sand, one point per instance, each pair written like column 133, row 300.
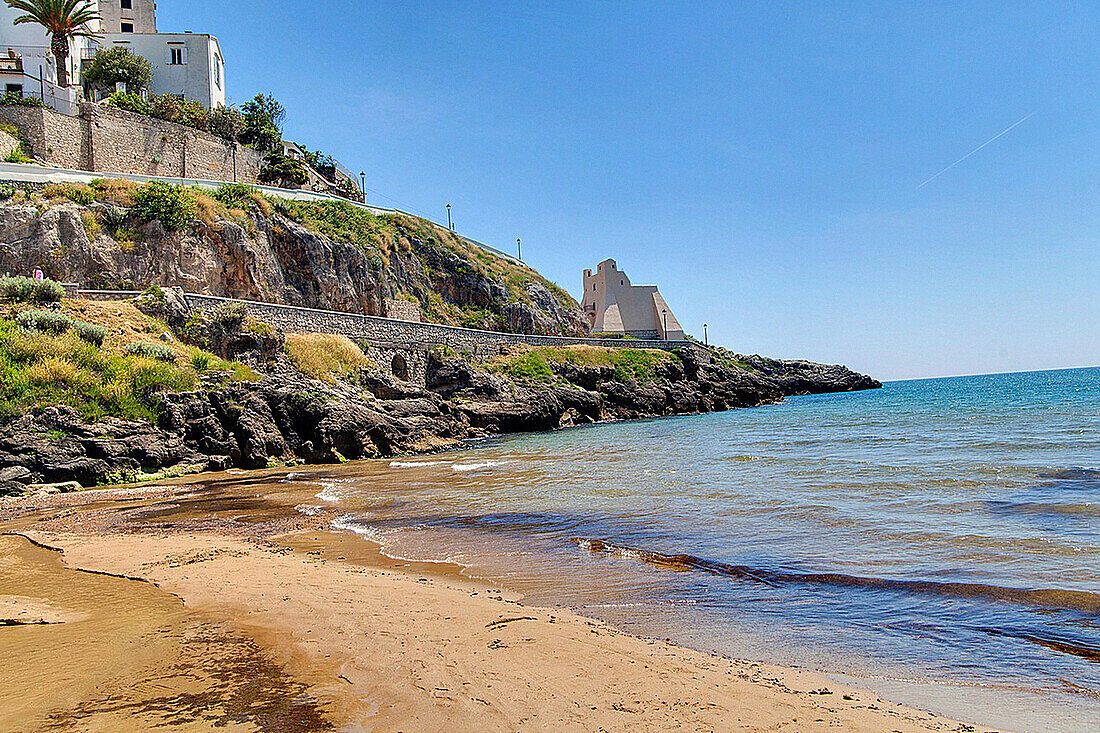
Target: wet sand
column 256, row 617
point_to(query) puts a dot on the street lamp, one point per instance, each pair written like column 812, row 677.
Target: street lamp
column 363, row 179
column 449, row 225
column 664, row 323
column 705, row 342
column 519, row 250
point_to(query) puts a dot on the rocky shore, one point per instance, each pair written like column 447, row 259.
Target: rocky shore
column 167, row 391
column 285, row 416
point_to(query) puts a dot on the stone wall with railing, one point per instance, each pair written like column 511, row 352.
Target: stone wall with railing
column 390, row 332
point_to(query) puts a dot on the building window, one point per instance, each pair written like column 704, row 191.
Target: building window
column 127, row 4
column 16, row 89
column 218, row 71
column 177, row 55
column 127, row 27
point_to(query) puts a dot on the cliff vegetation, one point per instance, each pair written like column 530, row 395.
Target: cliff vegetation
column 236, row 242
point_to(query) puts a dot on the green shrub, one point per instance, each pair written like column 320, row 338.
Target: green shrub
column 160, row 352
column 18, row 155
column 229, row 316
column 226, row 122
column 28, row 290
column 181, row 111
column 128, row 101
column 15, row 99
column 531, row 365
column 173, row 206
column 237, row 195
column 47, row 321
column 115, row 64
column 200, row 361
column 90, row 332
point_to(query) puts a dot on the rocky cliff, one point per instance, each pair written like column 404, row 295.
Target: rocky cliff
column 236, row 243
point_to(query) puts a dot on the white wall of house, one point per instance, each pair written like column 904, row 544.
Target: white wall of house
column 128, row 16
column 29, row 40
column 27, row 64
column 190, row 64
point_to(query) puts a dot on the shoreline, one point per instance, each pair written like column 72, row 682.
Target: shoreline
column 389, row 645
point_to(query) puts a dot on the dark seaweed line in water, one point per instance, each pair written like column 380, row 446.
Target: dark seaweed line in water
column 1070, row 600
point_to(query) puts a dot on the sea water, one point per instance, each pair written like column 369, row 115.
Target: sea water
column 936, row 540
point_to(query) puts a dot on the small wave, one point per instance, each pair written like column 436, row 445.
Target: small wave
column 330, row 489
column 349, row 524
column 1070, row 600
column 310, row 510
column 417, row 464
column 463, row 467
column 294, row 476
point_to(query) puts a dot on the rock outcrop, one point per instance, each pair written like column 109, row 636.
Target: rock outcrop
column 273, row 258
column 286, row 417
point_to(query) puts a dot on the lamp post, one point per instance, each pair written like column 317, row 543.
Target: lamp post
column 449, row 225
column 363, row 180
column 705, row 342
column 664, row 324
column 519, row 250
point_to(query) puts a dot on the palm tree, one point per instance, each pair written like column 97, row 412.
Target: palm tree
column 62, row 19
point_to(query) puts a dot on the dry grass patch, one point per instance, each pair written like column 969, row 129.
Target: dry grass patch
column 325, row 356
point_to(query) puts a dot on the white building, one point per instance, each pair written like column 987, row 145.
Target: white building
column 185, row 64
column 614, row 306
column 28, row 67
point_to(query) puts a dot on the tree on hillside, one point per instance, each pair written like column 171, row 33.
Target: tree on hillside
column 282, row 171
column 116, row 64
column 263, row 120
column 62, row 19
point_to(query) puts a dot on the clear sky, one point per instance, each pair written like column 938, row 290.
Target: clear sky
column 761, row 162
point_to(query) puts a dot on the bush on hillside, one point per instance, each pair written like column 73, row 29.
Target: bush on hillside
column 226, row 122
column 160, row 352
column 237, row 196
column 229, row 316
column 283, row 172
column 325, row 356
column 173, row 206
column 90, row 332
column 46, row 321
column 22, row 289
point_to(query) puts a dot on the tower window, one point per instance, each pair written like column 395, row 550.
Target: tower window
column 127, row 27
column 177, row 56
column 127, row 4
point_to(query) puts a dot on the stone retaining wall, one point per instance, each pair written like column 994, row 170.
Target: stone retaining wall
column 392, row 333
column 110, row 140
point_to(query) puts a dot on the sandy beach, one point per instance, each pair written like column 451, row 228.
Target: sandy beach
column 282, row 624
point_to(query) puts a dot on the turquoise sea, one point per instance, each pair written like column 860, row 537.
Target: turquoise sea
column 935, row 540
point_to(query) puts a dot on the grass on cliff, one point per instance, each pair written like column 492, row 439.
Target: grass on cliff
column 325, row 356
column 116, row 378
column 536, row 363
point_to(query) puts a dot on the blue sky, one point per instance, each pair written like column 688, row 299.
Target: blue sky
column 761, row 162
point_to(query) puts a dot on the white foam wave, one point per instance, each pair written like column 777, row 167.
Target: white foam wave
column 310, row 510
column 463, row 467
column 417, row 464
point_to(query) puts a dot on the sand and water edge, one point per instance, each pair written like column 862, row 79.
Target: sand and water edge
column 176, row 605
